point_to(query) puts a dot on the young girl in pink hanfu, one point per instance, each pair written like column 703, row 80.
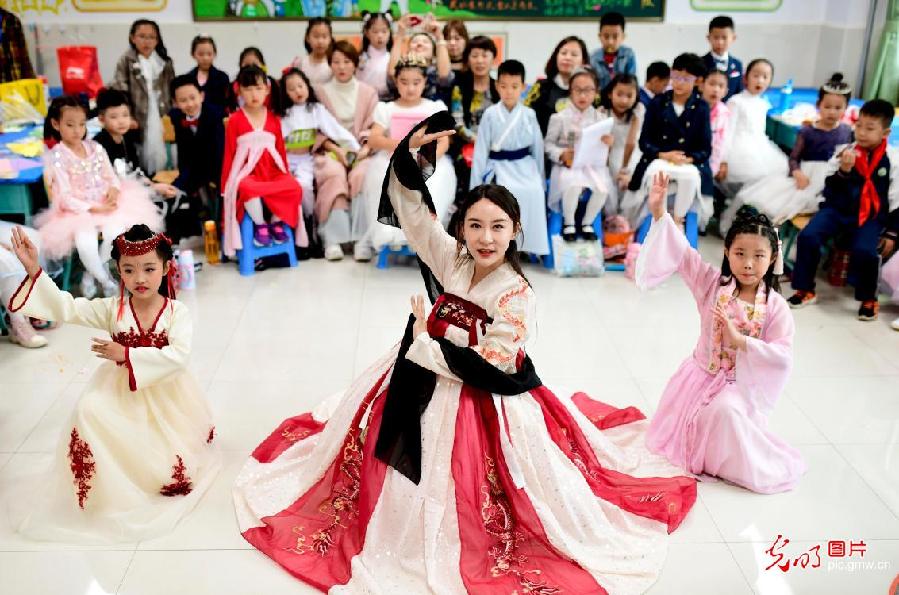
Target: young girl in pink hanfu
column 713, row 416
column 87, row 198
column 714, row 88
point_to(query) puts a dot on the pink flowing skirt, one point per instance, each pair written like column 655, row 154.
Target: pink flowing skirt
column 58, row 228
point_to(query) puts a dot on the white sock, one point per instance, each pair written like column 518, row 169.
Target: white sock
column 253, row 207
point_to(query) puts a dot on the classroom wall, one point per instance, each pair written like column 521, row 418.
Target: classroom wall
column 806, row 39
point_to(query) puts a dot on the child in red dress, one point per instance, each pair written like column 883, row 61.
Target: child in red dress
column 254, row 170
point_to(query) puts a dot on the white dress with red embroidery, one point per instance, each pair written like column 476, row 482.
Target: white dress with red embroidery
column 533, row 493
column 137, row 453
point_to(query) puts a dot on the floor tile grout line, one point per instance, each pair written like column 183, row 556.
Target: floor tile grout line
column 733, row 556
column 42, row 417
column 727, row 545
column 865, row 481
column 127, row 569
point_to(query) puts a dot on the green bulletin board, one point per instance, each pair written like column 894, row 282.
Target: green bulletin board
column 443, row 9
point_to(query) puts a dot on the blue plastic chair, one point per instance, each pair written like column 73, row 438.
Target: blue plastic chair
column 554, row 228
column 691, row 228
column 385, row 252
column 246, row 257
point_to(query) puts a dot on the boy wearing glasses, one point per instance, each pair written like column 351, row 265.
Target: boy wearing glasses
column 677, row 139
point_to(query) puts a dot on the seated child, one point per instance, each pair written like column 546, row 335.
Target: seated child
column 87, row 198
column 783, row 197
column 714, row 88
column 120, row 143
column 20, row 329
column 619, row 98
column 658, row 75
column 751, row 155
column 509, row 152
column 254, row 169
column 676, row 139
column 200, row 138
column 861, row 201
column 567, row 183
column 311, row 132
column 612, row 57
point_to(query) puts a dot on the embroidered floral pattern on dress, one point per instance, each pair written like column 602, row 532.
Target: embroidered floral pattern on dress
column 500, row 523
column 142, row 339
column 294, row 436
column 456, row 313
column 511, row 310
column 181, row 484
column 577, row 457
column 341, row 505
column 82, row 465
column 749, row 320
column 211, row 435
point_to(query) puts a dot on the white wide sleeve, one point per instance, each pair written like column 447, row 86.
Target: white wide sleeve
column 436, row 248
column 41, row 298
column 330, row 127
column 503, row 340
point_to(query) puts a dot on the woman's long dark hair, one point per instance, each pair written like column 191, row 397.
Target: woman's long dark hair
column 160, row 47
column 502, row 198
column 750, row 221
column 139, row 233
column 552, row 69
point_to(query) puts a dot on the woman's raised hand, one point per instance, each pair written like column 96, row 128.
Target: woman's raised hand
column 421, row 319
column 25, row 251
column 658, row 195
column 420, row 138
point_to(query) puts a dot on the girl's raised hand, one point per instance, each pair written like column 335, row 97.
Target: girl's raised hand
column 25, row 251
column 421, row 319
column 420, row 139
column 658, row 195
column 731, row 335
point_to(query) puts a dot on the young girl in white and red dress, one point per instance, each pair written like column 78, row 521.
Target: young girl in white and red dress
column 87, row 198
column 713, row 417
column 422, row 477
column 137, row 452
column 255, row 171
column 783, row 197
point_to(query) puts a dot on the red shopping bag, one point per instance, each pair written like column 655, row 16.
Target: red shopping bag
column 79, row 70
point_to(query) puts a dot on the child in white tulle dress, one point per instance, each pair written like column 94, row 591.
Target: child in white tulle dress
column 751, row 155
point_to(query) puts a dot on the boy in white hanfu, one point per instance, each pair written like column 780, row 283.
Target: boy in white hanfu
column 509, row 152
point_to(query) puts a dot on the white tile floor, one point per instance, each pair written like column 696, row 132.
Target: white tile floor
column 273, row 345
